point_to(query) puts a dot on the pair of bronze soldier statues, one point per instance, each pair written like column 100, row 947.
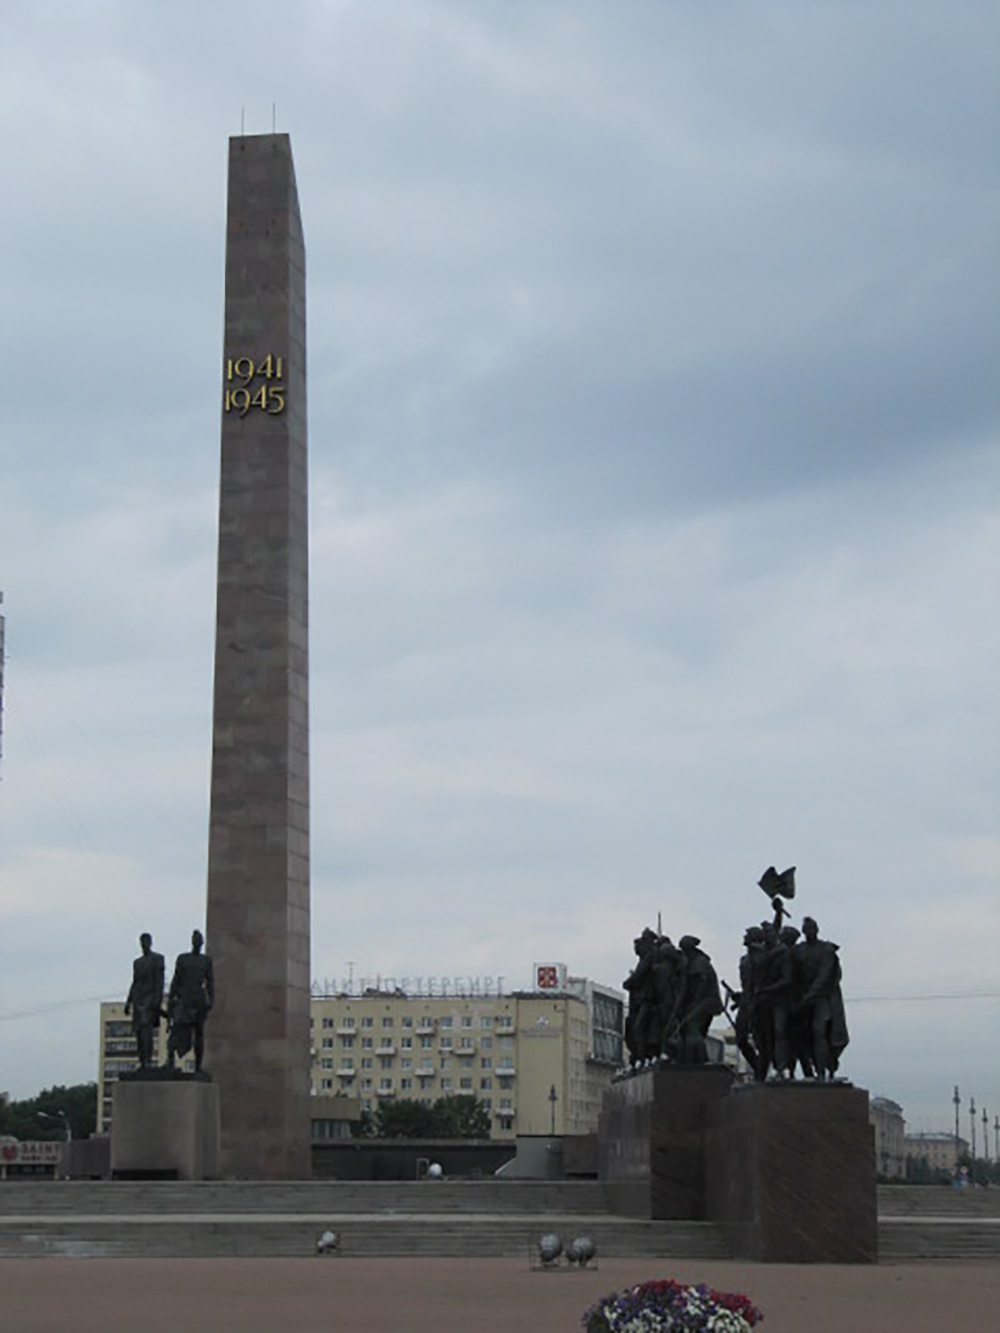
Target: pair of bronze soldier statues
column 189, row 1001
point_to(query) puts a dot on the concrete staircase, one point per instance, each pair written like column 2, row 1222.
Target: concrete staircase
column 934, row 1222
column 441, row 1218
column 460, row 1218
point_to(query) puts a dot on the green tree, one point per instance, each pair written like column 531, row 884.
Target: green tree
column 404, row 1120
column 461, row 1117
column 41, row 1117
column 449, row 1118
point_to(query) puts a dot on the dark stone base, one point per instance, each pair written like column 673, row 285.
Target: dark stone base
column 165, row 1129
column 791, row 1173
column 651, row 1140
column 165, row 1074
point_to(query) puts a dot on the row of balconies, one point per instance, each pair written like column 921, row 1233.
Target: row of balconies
column 424, row 1027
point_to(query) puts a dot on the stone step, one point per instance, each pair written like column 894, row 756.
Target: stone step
column 937, row 1201
column 445, row 1197
column 939, row 1239
column 360, row 1235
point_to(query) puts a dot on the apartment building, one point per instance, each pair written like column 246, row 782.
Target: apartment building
column 539, row 1060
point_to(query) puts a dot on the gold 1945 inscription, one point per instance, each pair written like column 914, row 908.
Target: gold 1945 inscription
column 244, row 389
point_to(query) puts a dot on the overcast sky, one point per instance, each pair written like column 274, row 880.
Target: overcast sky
column 654, row 464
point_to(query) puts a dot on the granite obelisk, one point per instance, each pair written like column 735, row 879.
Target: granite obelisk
column 257, row 1039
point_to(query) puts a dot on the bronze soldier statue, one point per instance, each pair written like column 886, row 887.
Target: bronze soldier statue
column 145, row 998
column 192, row 993
column 817, row 971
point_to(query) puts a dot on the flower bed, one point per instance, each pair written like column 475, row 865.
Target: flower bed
column 670, row 1307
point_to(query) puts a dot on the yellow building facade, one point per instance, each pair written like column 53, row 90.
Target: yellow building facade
column 538, row 1061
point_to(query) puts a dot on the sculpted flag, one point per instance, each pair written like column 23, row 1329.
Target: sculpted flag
column 778, row 886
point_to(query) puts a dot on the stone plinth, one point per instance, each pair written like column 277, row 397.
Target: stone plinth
column 652, row 1140
column 257, row 1037
column 165, row 1129
column 791, row 1173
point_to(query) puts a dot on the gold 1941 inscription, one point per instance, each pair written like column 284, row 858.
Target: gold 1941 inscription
column 244, row 389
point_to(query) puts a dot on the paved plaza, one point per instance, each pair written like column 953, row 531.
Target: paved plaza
column 335, row 1295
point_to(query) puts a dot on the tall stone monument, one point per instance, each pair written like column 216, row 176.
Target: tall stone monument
column 258, row 871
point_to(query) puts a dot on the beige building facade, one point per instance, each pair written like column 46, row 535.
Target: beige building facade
column 941, row 1150
column 886, row 1118
column 539, row 1061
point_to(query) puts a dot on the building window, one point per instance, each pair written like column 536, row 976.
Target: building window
column 326, row 1084
column 347, row 1022
column 465, row 1083
column 486, row 1084
column 406, row 1084
column 407, row 1043
column 466, row 1043
column 506, row 1122
column 444, row 1022
column 465, row 1061
column 366, row 1083
column 367, row 1043
column 446, row 1085
column 385, row 1061
column 386, row 1041
column 486, row 1022
column 426, row 1043
column 368, row 1022
column 407, row 1020
column 486, row 1062
column 445, row 1062
column 347, row 1043
column 327, row 1043
column 387, row 1022
column 406, row 1062
column 326, row 1063
column 328, row 1022
column 486, row 1043
column 366, row 1062
column 505, row 1103
column 467, row 1020
column 446, row 1043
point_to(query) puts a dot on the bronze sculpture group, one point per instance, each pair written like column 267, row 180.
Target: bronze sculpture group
column 189, row 1001
column 788, row 1013
column 673, row 997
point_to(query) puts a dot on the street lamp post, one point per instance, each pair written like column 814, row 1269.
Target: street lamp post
column 972, row 1122
column 986, row 1135
column 553, row 1098
column 958, row 1102
column 58, row 1115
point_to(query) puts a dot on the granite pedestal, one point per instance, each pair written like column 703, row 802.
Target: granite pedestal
column 791, row 1173
column 165, row 1129
column 651, row 1140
